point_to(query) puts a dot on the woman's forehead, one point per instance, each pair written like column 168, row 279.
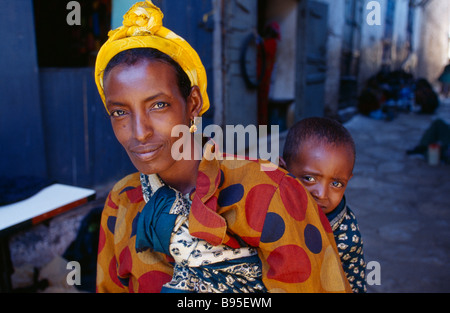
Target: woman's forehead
column 143, row 73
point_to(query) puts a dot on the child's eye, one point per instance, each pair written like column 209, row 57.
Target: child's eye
column 309, row 179
column 337, row 184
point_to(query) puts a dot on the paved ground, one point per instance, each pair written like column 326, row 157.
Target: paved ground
column 42, row 246
column 400, row 202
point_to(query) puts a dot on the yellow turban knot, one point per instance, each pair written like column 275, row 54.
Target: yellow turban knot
column 142, row 28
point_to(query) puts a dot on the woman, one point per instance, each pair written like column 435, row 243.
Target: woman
column 189, row 225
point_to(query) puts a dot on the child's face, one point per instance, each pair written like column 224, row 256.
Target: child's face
column 324, row 170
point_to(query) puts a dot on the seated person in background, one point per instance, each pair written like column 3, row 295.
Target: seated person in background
column 321, row 153
column 426, row 98
column 444, row 79
column 437, row 133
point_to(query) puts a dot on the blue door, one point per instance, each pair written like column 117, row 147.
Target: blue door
column 192, row 20
column 311, row 58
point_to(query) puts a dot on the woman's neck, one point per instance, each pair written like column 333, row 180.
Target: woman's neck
column 183, row 175
column 183, row 178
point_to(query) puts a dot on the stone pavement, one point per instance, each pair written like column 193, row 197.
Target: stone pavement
column 401, row 204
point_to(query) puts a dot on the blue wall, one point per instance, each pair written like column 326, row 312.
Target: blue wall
column 80, row 146
column 21, row 132
column 119, row 8
column 53, row 123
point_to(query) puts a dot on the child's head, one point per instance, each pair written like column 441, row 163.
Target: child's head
column 321, row 153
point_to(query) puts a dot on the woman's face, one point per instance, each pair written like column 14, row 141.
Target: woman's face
column 145, row 103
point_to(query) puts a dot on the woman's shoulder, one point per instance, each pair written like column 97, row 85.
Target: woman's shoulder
column 129, row 180
column 259, row 170
column 128, row 185
column 126, row 194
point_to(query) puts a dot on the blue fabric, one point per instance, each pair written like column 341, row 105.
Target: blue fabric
column 349, row 244
column 155, row 223
column 341, row 206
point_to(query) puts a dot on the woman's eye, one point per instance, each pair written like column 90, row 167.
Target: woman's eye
column 308, row 179
column 160, row 105
column 117, row 113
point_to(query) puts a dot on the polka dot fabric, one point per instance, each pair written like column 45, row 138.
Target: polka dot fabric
column 119, row 267
column 235, row 203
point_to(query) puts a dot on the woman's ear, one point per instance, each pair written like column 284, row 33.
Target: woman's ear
column 195, row 102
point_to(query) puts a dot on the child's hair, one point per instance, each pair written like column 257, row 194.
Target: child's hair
column 319, row 129
column 133, row 56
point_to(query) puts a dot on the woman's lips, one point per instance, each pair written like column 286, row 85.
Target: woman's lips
column 146, row 153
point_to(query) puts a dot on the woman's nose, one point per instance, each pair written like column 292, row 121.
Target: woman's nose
column 142, row 127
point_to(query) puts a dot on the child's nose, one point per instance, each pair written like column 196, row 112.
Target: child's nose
column 319, row 192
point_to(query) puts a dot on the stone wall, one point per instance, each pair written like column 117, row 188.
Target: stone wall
column 433, row 51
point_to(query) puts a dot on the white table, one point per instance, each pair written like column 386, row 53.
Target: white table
column 47, row 203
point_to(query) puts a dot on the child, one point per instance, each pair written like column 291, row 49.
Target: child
column 321, row 153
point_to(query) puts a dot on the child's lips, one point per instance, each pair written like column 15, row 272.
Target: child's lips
column 322, row 205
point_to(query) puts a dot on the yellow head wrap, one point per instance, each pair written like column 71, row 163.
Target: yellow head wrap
column 142, row 28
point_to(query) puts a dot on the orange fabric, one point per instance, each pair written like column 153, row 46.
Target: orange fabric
column 234, row 202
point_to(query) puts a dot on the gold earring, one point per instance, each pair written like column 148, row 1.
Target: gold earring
column 193, row 127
